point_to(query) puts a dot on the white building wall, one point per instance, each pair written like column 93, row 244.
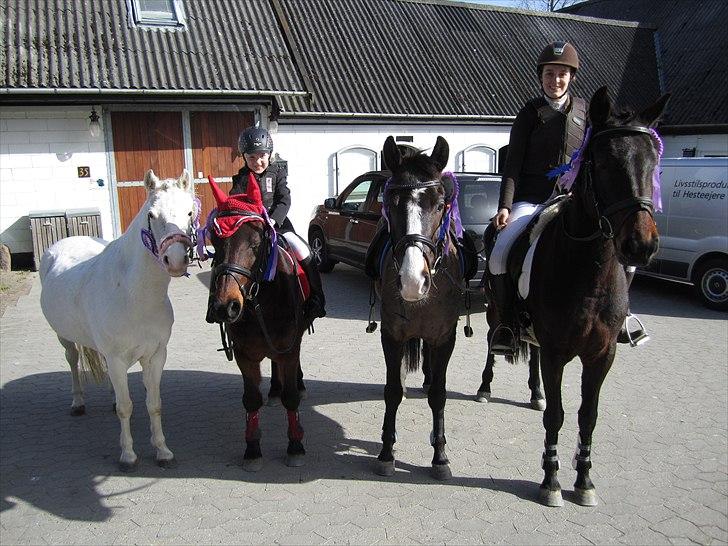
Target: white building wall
column 40, row 152
column 310, row 149
column 705, row 145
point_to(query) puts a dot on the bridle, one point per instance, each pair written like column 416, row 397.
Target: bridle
column 436, row 245
column 604, row 214
column 187, row 238
column 250, row 290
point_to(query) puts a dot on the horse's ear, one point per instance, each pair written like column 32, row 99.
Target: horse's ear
column 392, row 155
column 600, row 107
column 151, row 182
column 651, row 114
column 440, row 153
column 184, row 180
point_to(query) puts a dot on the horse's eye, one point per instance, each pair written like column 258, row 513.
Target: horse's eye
column 440, row 206
column 190, row 214
column 150, row 215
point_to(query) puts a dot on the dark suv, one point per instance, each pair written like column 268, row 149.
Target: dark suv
column 343, row 226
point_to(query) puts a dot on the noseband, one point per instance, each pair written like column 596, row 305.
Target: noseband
column 631, row 205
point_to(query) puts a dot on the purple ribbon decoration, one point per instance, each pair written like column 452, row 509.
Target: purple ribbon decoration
column 656, row 191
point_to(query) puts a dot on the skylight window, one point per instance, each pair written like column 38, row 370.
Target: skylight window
column 158, row 12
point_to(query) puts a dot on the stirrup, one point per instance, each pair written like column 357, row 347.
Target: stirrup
column 503, row 350
column 635, row 338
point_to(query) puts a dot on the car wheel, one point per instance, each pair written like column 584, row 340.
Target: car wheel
column 319, row 253
column 711, row 282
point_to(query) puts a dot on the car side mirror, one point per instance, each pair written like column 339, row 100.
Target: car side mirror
column 330, row 203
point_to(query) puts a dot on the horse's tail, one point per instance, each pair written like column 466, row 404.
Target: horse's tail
column 412, row 354
column 92, row 363
column 521, row 354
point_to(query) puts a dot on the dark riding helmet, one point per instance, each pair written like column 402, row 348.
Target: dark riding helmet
column 558, row 53
column 255, row 139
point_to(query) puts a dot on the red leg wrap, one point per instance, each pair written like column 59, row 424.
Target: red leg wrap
column 295, row 430
column 252, row 426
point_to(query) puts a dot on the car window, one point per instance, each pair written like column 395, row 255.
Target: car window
column 376, row 198
column 478, row 201
column 355, row 199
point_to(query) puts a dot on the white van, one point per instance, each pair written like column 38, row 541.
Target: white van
column 693, row 227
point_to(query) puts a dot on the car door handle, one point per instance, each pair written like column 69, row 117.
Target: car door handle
column 353, row 221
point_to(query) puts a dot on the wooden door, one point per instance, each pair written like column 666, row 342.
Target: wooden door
column 215, row 151
column 143, row 141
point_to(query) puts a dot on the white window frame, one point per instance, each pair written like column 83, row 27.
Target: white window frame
column 474, row 147
column 359, row 147
column 138, row 17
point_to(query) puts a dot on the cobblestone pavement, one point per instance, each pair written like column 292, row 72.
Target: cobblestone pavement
column 660, row 453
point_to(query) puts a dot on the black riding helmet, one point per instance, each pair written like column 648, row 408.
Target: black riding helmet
column 255, row 139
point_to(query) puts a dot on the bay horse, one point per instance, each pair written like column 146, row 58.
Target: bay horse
column 577, row 299
column 420, row 286
column 257, row 294
column 108, row 302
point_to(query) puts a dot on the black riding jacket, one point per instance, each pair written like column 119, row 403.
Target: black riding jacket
column 273, row 185
column 541, row 138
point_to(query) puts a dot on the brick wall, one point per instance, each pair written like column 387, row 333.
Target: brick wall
column 40, row 152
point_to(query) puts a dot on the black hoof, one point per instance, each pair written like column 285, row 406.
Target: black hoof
column 295, row 460
column 128, row 467
column 78, row 410
column 253, row 465
column 441, row 472
column 548, row 497
column 585, row 497
column 167, row 463
column 384, row 468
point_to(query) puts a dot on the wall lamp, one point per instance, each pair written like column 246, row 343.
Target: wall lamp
column 94, row 126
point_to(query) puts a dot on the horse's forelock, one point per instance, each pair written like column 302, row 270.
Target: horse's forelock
column 417, row 167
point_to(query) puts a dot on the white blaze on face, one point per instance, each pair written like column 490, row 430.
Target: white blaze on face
column 412, row 272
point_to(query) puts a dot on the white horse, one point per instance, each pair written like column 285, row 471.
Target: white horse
column 108, row 302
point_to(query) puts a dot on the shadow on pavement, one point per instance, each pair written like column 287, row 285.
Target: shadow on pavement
column 66, row 459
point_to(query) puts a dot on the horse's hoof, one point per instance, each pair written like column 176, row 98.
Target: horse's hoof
column 273, row 401
column 550, row 498
column 539, row 404
column 482, row 396
column 253, row 465
column 441, row 472
column 128, row 467
column 302, row 394
column 585, row 497
column 295, row 460
column 384, row 468
column 78, row 410
column 167, row 463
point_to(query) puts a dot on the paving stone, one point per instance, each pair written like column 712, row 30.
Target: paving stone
column 661, row 472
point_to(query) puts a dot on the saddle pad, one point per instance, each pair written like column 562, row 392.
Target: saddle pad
column 524, row 279
column 290, row 262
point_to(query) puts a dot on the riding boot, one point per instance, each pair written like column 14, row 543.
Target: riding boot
column 638, row 336
column 316, row 304
column 503, row 340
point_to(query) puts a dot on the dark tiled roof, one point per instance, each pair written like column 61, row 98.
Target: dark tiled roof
column 693, row 37
column 440, row 58
column 89, row 44
column 422, row 58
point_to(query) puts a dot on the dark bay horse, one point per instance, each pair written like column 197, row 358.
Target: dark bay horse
column 257, row 296
column 578, row 298
column 420, row 287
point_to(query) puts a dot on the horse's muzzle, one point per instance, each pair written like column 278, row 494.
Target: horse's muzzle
column 175, row 257
column 640, row 243
column 229, row 312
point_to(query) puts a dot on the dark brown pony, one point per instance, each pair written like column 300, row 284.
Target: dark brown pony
column 420, row 287
column 578, row 298
column 263, row 318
